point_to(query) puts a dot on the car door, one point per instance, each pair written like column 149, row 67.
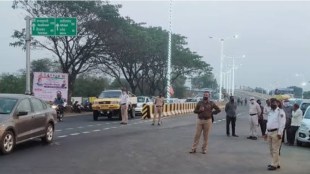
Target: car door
column 23, row 123
column 40, row 116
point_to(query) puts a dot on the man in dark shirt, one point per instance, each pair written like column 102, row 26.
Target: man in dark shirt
column 231, row 115
column 205, row 110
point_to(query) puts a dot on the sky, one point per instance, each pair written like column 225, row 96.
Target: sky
column 273, row 36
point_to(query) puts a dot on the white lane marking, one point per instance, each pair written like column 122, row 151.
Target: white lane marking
column 85, row 132
column 98, row 124
column 70, row 128
column 97, row 130
column 106, row 128
column 81, row 127
column 62, row 136
column 58, row 130
column 215, row 122
column 74, row 134
column 90, row 125
column 113, row 127
column 107, row 123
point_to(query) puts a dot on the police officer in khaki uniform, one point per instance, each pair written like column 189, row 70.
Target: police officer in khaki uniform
column 205, row 110
column 124, row 102
column 159, row 105
column 274, row 133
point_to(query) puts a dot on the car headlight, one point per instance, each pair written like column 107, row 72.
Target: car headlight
column 54, row 106
column 304, row 126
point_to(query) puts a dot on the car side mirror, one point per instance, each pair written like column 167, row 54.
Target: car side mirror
column 21, row 113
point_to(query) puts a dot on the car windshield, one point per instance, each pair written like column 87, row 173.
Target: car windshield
column 304, row 106
column 7, row 105
column 141, row 99
column 110, row 94
column 307, row 114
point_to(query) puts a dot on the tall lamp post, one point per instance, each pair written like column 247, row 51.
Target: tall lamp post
column 221, row 61
column 234, row 67
column 169, row 53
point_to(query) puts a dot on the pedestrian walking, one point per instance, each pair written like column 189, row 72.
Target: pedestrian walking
column 159, row 104
column 124, row 102
column 288, row 109
column 204, row 109
column 254, row 111
column 295, row 123
column 231, row 116
column 275, row 126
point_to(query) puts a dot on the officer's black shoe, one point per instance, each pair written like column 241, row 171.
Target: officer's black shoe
column 235, row 135
column 192, row 151
column 277, row 166
column 272, row 168
column 254, row 138
column 250, row 137
column 153, row 124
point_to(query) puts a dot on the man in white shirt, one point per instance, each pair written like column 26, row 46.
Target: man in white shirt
column 274, row 133
column 124, row 102
column 295, row 123
column 254, row 112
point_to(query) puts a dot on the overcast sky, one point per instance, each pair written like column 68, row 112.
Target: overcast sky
column 274, row 36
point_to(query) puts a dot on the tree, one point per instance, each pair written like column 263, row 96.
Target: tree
column 297, row 91
column 205, row 80
column 44, row 65
column 74, row 54
column 89, row 86
column 13, row 83
column 307, row 95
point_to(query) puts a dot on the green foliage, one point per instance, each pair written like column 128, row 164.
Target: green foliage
column 205, row 80
column 307, row 95
column 13, row 83
column 89, row 86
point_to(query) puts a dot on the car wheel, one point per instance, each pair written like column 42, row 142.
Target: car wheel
column 95, row 115
column 299, row 143
column 7, row 142
column 49, row 134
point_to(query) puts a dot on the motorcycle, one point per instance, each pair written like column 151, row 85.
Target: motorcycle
column 59, row 110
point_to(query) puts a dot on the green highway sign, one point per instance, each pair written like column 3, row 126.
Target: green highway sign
column 43, row 27
column 66, row 27
column 54, row 27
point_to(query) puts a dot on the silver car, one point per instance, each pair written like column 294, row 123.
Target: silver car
column 23, row 118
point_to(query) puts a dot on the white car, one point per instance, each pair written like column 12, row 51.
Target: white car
column 303, row 133
column 140, row 101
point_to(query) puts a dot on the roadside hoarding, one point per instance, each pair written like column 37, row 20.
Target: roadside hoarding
column 46, row 85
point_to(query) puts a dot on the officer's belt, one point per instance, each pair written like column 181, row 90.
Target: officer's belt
column 272, row 130
column 253, row 114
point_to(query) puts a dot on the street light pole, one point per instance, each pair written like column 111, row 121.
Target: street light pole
column 221, row 70
column 233, row 78
column 169, row 54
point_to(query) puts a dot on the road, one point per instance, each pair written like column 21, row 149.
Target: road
column 83, row 146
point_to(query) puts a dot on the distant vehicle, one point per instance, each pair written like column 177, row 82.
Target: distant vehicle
column 141, row 100
column 108, row 104
column 172, row 100
column 23, row 118
column 303, row 133
column 304, row 105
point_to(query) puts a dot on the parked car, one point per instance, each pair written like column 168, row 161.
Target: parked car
column 140, row 101
column 303, row 133
column 23, row 118
column 196, row 100
column 304, row 105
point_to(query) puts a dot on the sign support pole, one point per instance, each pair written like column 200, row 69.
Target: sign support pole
column 28, row 40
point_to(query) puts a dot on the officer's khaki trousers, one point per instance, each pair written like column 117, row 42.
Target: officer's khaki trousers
column 158, row 111
column 274, row 146
column 253, row 125
column 124, row 112
column 203, row 126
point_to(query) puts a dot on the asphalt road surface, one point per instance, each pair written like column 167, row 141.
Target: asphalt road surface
column 84, row 146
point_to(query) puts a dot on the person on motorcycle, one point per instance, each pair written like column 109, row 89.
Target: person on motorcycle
column 59, row 101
